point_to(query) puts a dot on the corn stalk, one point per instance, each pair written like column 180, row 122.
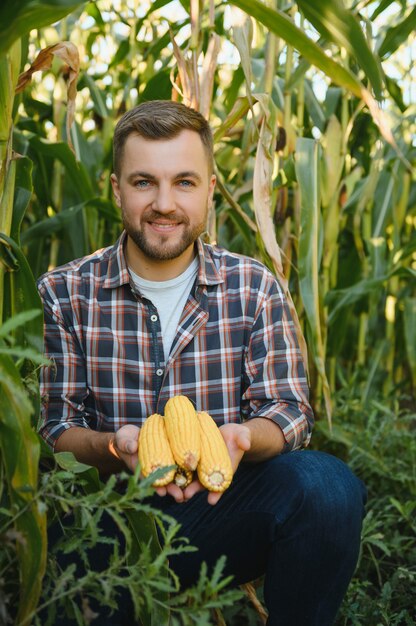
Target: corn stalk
column 9, row 72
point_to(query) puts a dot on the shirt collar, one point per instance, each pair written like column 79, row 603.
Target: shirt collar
column 118, row 273
column 208, row 273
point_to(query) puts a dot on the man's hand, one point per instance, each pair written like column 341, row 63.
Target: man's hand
column 125, row 445
column 237, row 438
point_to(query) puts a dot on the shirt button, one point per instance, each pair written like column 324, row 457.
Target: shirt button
column 153, row 318
column 159, row 372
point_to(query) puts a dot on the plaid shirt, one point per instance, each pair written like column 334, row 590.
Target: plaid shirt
column 235, row 353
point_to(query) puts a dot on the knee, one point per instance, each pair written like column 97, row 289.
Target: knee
column 328, row 494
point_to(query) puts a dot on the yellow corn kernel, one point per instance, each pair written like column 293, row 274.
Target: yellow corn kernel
column 215, row 471
column 182, row 428
column 183, row 477
column 154, row 449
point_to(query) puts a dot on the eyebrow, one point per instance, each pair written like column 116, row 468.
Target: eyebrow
column 148, row 176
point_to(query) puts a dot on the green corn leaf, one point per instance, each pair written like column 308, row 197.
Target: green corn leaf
column 22, row 194
column 314, row 107
column 338, row 299
column 396, row 35
column 51, row 225
column 97, row 95
column 20, row 449
column 121, row 54
column 409, row 317
column 307, row 172
column 332, row 166
column 383, row 204
column 21, row 295
column 157, row 87
column 381, row 6
column 298, row 74
column 95, row 13
column 238, row 111
column 18, row 18
column 282, row 26
column 338, row 24
column 43, row 149
column 332, row 99
column 396, row 93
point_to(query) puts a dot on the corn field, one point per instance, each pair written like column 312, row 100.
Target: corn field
column 313, row 108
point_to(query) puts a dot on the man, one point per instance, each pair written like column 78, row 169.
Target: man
column 160, row 314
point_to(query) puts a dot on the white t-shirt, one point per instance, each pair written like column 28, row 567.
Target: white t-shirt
column 169, row 297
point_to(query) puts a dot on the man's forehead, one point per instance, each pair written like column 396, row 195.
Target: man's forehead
column 183, row 153
column 185, row 136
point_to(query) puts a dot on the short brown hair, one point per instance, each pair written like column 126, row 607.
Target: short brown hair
column 160, row 119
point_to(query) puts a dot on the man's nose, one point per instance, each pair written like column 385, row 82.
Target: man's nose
column 164, row 199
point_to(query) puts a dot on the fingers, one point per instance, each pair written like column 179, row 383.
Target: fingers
column 132, row 463
column 124, row 445
column 244, row 440
column 180, row 495
column 172, row 490
column 175, row 491
column 192, row 489
column 127, row 445
column 213, row 497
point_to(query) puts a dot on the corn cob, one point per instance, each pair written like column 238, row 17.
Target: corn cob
column 154, row 450
column 183, row 477
column 215, row 471
column 182, row 428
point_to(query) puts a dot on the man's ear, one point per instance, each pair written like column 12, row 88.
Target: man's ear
column 116, row 189
column 211, row 188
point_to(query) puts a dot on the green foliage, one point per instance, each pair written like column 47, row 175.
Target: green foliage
column 73, row 493
column 376, row 439
column 22, row 519
column 346, row 230
column 17, row 20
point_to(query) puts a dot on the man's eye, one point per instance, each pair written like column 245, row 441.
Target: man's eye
column 142, row 184
column 186, row 183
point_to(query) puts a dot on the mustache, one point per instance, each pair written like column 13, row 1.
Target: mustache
column 152, row 215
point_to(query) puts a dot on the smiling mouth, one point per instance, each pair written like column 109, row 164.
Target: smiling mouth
column 164, row 226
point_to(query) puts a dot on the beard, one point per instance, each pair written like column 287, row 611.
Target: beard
column 164, row 249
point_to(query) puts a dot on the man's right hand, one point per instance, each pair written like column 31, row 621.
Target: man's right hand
column 124, row 445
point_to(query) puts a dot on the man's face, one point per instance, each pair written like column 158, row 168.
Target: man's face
column 164, row 191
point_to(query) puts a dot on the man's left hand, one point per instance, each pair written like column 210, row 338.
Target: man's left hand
column 237, row 438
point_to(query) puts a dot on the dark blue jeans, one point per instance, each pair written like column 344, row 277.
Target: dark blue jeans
column 296, row 518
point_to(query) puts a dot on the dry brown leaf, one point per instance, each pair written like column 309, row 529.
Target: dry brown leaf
column 68, row 53
column 262, row 196
column 208, row 74
column 250, row 591
column 262, row 201
column 380, row 118
column 186, row 76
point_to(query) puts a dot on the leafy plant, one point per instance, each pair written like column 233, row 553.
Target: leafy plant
column 286, row 86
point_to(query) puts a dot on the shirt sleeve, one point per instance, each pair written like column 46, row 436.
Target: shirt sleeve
column 276, row 380
column 63, row 384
